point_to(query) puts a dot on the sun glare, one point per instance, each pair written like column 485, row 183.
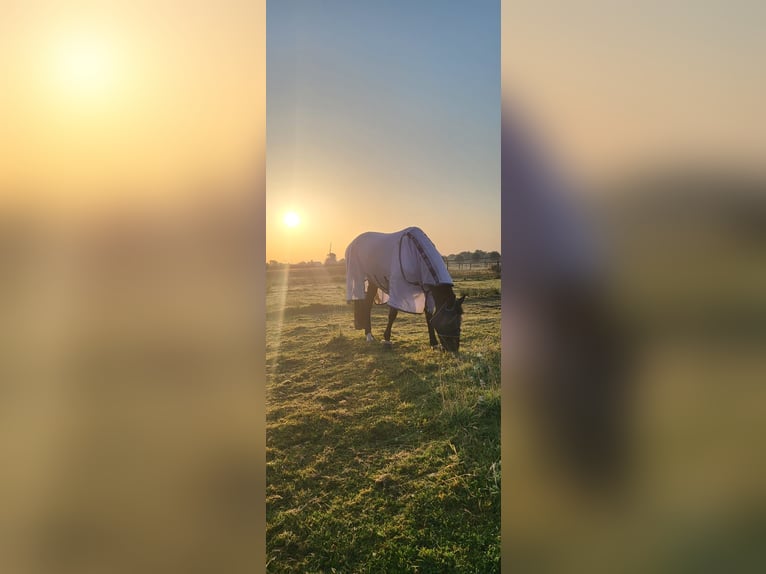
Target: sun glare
column 292, row 219
column 84, row 66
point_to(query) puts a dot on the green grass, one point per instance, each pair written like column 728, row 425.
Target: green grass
column 379, row 460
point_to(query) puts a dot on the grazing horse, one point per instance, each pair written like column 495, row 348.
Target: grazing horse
column 405, row 271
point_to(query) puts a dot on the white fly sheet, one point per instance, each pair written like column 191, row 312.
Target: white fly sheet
column 400, row 264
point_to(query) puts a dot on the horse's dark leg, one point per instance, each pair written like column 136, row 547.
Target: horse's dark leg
column 392, row 313
column 369, row 299
column 431, row 333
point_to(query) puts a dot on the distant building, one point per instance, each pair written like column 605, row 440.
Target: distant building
column 331, row 258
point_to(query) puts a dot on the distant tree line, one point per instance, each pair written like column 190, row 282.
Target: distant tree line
column 274, row 264
column 464, row 259
column 471, row 259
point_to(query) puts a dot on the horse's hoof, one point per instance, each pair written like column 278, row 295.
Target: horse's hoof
column 387, row 345
column 370, row 338
column 435, row 347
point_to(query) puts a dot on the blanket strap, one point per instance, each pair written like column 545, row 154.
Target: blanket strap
column 423, row 255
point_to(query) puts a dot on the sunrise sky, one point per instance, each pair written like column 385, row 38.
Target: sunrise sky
column 102, row 101
column 618, row 86
column 382, row 115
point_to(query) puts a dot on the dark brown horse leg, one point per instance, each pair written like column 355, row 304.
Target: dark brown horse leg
column 392, row 313
column 431, row 333
column 369, row 299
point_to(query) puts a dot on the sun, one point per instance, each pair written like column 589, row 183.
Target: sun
column 292, row 219
column 84, row 65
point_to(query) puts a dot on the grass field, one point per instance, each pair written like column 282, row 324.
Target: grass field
column 380, row 461
column 694, row 298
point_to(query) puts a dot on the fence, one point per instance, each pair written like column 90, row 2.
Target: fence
column 469, row 264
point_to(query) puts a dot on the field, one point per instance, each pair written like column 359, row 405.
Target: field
column 380, row 460
column 692, row 289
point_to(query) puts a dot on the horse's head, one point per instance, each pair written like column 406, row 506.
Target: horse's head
column 447, row 320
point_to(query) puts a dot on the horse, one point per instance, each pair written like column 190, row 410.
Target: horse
column 405, row 271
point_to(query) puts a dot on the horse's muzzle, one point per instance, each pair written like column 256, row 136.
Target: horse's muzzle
column 450, row 343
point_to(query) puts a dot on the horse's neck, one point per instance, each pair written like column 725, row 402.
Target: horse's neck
column 442, row 295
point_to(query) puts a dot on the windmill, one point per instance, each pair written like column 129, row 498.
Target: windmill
column 331, row 257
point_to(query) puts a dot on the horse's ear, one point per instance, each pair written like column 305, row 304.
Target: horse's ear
column 461, row 299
